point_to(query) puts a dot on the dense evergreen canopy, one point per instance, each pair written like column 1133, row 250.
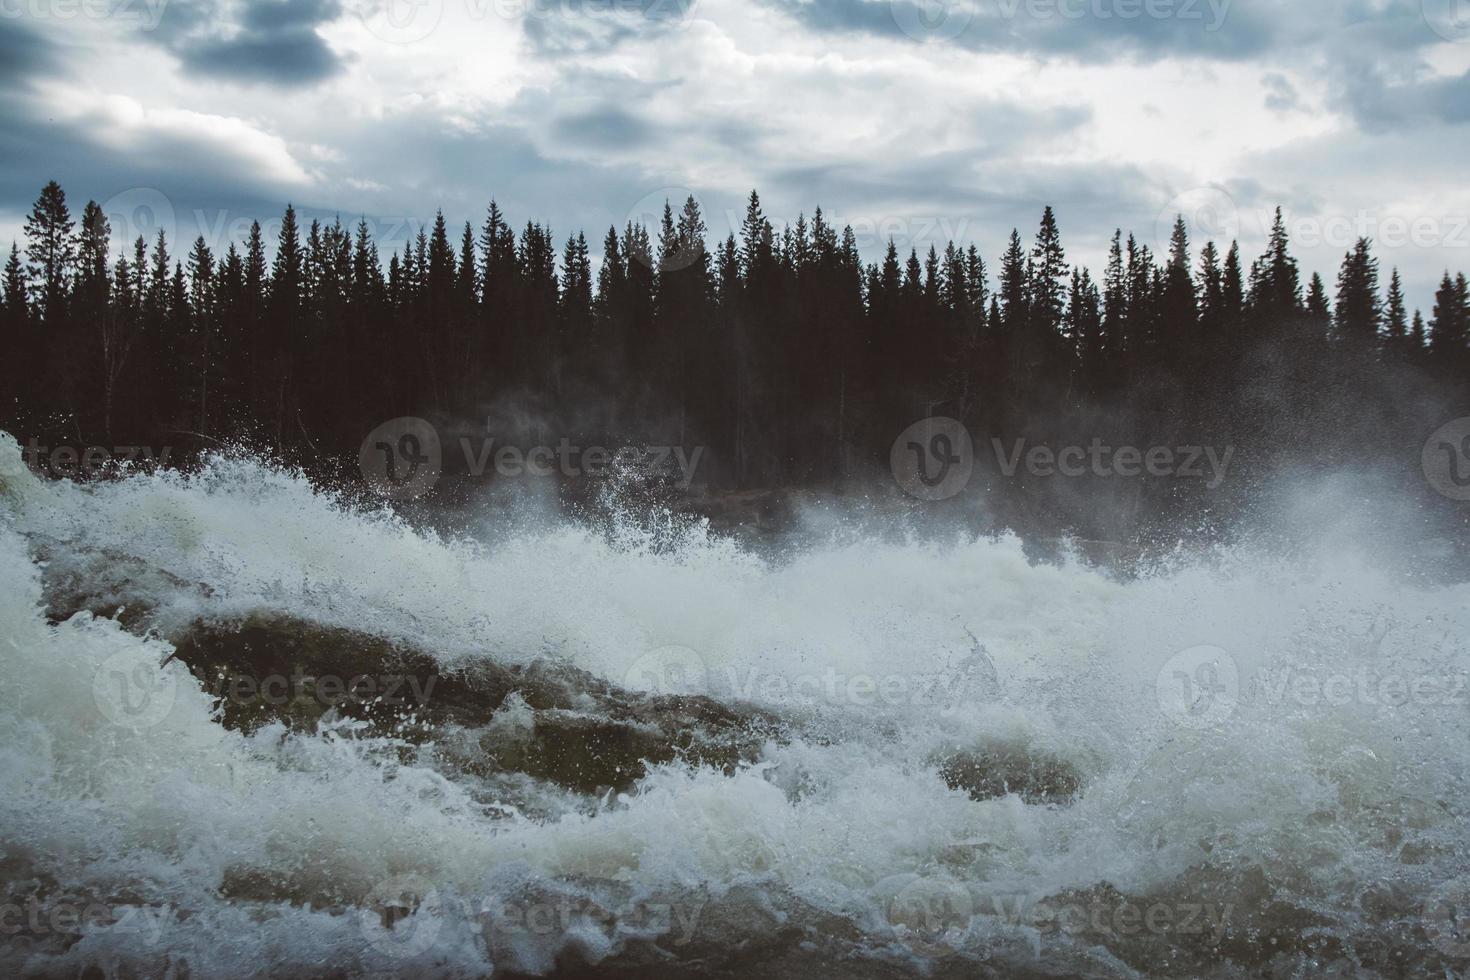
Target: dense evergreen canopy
column 778, row 350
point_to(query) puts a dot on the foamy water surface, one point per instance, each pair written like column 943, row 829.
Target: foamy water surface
column 1271, row 754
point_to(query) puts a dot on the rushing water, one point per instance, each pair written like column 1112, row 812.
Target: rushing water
column 1230, row 766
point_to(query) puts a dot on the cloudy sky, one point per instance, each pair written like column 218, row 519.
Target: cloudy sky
column 917, row 120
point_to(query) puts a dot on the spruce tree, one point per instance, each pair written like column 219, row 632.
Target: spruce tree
column 1448, row 328
column 1212, row 284
column 51, row 251
column 1275, row 282
column 1114, row 316
column 15, row 335
column 1232, row 286
column 1396, row 326
column 1178, row 310
column 1359, row 311
column 1318, row 311
column 1049, row 282
column 1014, row 287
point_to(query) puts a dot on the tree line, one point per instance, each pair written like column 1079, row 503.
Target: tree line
column 779, row 350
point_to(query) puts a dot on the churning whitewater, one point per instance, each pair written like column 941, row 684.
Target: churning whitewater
column 656, row 752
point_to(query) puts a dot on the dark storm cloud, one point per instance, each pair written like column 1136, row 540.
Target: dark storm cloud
column 425, row 166
column 272, row 41
column 173, row 187
column 23, row 53
column 191, row 181
column 1103, row 30
column 1070, row 28
column 605, row 126
column 1380, row 103
column 557, row 28
column 198, row 186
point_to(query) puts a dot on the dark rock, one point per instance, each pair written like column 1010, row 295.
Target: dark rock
column 994, row 771
column 565, row 725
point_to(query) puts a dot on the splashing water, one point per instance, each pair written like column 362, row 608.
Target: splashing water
column 1236, row 766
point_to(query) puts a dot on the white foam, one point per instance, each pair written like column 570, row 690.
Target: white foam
column 156, row 805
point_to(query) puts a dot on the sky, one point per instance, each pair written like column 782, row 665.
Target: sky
column 916, row 120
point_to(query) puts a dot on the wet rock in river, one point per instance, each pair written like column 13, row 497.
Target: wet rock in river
column 994, row 771
column 548, row 720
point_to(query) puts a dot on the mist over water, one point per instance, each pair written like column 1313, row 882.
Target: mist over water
column 1228, row 763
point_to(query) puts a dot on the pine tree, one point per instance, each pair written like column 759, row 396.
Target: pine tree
column 1178, row 309
column 15, row 336
column 1140, row 331
column 74, row 370
column 692, row 244
column 728, row 360
column 440, row 302
column 92, row 244
column 499, row 286
column 231, row 305
column 202, row 348
column 1014, row 287
column 14, row 286
column 641, row 296
column 1232, row 287
column 1318, row 312
column 1396, row 337
column 683, row 312
column 1212, row 283
column 467, row 276
column 1084, row 327
column 1115, row 315
column 755, row 241
column 576, row 303
column 283, row 331
column 1448, row 329
column 288, row 274
column 1418, row 338
column 255, row 274
column 51, row 250
column 975, row 279
column 1049, row 282
column 931, row 281
column 1275, row 282
column 609, row 306
column 156, row 300
column 670, row 257
column 1358, row 312
column 120, row 331
column 758, row 345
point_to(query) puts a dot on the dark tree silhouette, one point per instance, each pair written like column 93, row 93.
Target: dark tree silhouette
column 778, row 351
